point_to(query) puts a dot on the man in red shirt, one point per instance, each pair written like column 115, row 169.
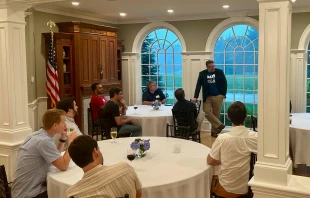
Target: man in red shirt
column 97, row 100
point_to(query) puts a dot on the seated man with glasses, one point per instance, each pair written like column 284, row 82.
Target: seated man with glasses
column 98, row 180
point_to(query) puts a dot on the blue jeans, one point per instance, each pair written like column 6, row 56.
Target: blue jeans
column 135, row 130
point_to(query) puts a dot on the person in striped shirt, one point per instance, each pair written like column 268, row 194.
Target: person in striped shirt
column 98, row 180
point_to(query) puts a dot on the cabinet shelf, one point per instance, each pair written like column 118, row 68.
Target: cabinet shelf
column 66, row 58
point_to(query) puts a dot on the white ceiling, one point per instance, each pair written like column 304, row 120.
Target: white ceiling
column 150, row 10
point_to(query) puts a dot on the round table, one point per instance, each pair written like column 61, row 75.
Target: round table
column 153, row 122
column 300, row 138
column 162, row 173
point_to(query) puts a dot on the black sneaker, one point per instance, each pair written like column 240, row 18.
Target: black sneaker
column 220, row 128
column 214, row 134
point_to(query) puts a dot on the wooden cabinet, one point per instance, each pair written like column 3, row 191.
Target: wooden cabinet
column 91, row 56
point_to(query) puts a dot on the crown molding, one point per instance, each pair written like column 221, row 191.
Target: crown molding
column 74, row 13
column 193, row 17
column 101, row 18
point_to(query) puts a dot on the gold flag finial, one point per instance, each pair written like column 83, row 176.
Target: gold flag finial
column 51, row 24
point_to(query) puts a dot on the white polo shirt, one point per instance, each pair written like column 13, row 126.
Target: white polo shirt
column 234, row 150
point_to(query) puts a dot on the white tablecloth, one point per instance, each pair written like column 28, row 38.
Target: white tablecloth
column 162, row 173
column 300, row 138
column 153, row 122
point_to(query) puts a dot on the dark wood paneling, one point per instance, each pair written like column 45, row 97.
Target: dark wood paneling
column 112, row 59
column 95, row 72
column 85, row 60
column 103, row 46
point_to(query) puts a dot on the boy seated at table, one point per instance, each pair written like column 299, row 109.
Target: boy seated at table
column 232, row 151
column 98, row 180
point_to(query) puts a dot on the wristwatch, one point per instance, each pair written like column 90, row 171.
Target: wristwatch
column 63, row 141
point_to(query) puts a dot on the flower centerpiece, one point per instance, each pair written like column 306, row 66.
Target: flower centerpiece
column 156, row 104
column 141, row 145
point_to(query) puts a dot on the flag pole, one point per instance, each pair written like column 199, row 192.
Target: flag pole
column 52, row 76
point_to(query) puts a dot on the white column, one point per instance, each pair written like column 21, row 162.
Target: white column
column 274, row 84
column 14, row 122
column 298, row 80
column 273, row 170
column 131, row 84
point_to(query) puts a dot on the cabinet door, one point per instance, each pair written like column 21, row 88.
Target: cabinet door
column 95, row 65
column 85, row 60
column 112, row 59
column 103, row 56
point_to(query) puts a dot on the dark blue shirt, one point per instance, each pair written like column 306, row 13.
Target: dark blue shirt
column 212, row 88
column 157, row 95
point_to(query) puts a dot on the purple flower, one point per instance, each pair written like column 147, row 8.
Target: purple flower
column 147, row 145
column 135, row 145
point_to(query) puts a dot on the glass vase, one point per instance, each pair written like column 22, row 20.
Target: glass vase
column 140, row 153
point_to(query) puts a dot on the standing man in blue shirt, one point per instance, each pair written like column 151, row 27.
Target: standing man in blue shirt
column 153, row 94
column 214, row 88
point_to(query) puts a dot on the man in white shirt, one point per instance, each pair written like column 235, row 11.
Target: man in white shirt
column 71, row 109
column 232, row 151
column 98, row 180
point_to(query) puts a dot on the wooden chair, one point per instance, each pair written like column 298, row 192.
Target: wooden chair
column 4, row 185
column 181, row 118
column 198, row 105
column 254, row 122
column 251, row 173
column 105, row 123
column 93, row 127
column 174, row 131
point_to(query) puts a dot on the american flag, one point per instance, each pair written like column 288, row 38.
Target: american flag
column 52, row 87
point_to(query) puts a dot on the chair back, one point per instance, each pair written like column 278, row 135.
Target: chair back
column 4, row 185
column 254, row 122
column 198, row 105
column 251, row 172
column 175, row 131
column 183, row 118
column 105, row 122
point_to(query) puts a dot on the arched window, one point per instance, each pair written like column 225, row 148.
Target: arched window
column 161, row 61
column 236, row 53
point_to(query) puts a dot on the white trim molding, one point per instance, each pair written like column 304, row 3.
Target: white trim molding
column 304, row 39
column 221, row 27
column 298, row 72
column 136, row 47
column 135, row 62
column 36, row 109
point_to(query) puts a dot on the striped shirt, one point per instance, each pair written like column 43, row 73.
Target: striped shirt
column 107, row 182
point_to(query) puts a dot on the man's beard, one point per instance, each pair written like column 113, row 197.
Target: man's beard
column 75, row 112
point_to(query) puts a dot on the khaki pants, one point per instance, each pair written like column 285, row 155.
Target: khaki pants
column 212, row 107
column 219, row 190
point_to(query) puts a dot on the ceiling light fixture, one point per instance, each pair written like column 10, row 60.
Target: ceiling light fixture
column 226, row 6
column 170, row 11
column 293, row 1
column 75, row 3
column 122, row 14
